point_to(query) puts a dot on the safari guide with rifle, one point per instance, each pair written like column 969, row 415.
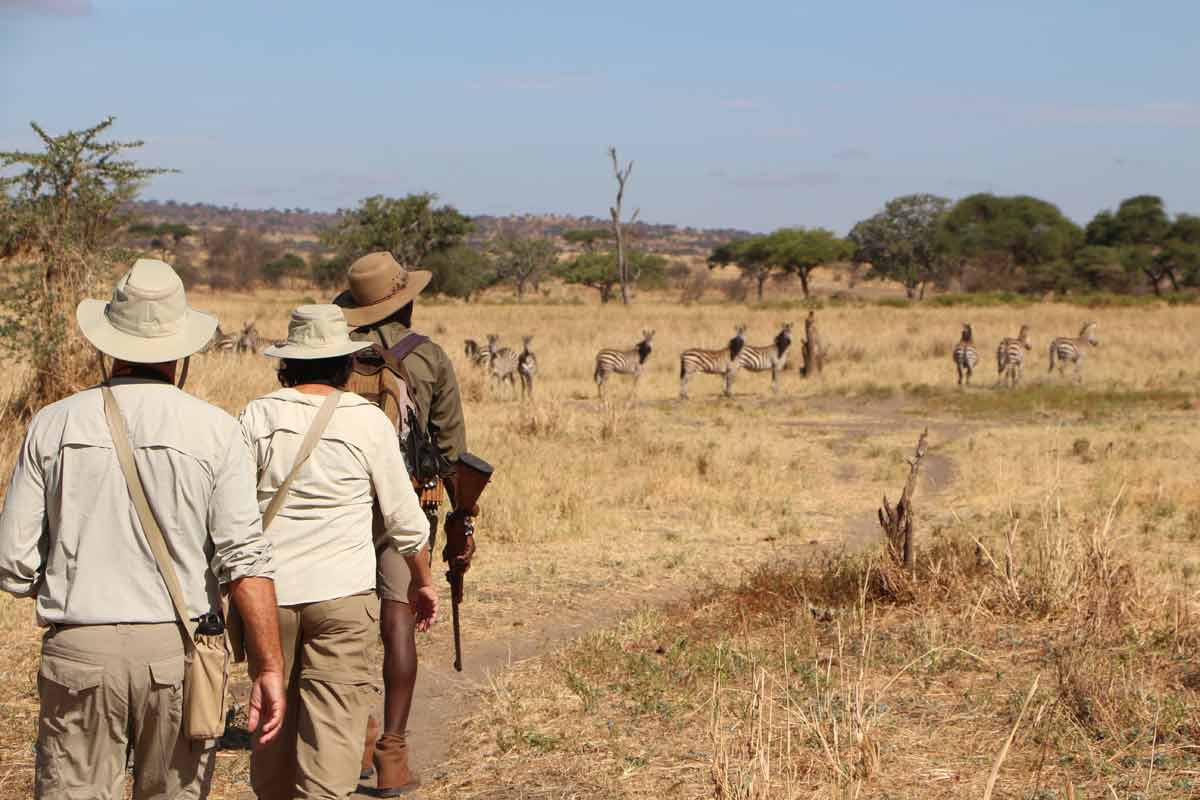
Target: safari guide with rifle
column 327, row 460
column 130, row 504
column 412, row 379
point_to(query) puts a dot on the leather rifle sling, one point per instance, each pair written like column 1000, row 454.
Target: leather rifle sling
column 319, row 424
column 137, row 493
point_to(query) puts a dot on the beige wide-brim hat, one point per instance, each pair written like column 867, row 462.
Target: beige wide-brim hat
column 379, row 287
column 148, row 320
column 317, row 331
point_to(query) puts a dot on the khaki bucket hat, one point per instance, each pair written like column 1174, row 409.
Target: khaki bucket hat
column 148, row 320
column 317, row 331
column 379, row 287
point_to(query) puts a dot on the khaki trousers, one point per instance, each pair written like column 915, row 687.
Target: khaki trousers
column 330, row 691
column 106, row 690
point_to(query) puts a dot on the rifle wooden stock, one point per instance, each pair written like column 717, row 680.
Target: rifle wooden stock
column 467, row 482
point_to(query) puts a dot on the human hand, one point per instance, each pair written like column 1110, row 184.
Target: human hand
column 423, row 602
column 267, row 706
column 460, row 545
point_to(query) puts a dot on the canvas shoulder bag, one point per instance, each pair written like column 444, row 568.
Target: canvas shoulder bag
column 234, row 628
column 206, row 674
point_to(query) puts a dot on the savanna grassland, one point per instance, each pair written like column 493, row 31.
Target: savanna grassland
column 751, row 638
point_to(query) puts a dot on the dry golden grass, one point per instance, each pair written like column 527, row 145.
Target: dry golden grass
column 629, row 501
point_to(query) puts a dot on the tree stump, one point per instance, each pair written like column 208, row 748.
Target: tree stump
column 814, row 354
column 897, row 521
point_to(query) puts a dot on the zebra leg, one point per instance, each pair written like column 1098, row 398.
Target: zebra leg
column 729, row 383
column 600, row 378
column 960, row 373
column 774, row 379
column 684, row 376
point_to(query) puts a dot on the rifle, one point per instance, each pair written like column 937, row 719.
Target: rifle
column 465, row 484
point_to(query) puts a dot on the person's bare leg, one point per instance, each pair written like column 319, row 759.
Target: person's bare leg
column 396, row 626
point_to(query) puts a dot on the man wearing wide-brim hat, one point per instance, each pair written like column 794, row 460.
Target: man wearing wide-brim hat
column 112, row 662
column 327, row 461
column 379, row 306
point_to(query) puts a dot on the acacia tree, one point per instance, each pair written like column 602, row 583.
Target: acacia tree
column 902, row 243
column 588, row 238
column 59, row 218
column 798, row 251
column 460, row 271
column 409, row 227
column 524, row 260
column 787, row 251
column 622, row 175
column 1149, row 242
column 599, row 270
column 1010, row 240
column 752, row 256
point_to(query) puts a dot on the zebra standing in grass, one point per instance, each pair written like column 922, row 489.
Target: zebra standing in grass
column 772, row 357
column 713, row 362
column 479, row 356
column 1065, row 349
column 965, row 355
column 622, row 362
column 502, row 362
column 1010, row 357
column 221, row 342
column 526, row 367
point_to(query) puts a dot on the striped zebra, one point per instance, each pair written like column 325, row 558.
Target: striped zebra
column 772, row 357
column 622, row 362
column 712, row 362
column 477, row 354
column 1065, row 348
column 526, row 367
column 965, row 355
column 1010, row 357
column 221, row 342
column 502, row 362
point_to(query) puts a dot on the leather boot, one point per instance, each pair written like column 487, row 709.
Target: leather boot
column 391, row 766
column 368, row 758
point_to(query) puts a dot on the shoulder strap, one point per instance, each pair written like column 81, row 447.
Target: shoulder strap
column 409, row 342
column 319, row 424
column 137, row 492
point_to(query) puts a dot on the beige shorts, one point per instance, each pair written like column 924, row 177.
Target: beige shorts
column 391, row 575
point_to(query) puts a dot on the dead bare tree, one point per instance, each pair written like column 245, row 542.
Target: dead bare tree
column 622, row 176
column 897, row 521
column 814, row 355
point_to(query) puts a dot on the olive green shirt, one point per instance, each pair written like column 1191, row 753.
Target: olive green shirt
column 432, row 385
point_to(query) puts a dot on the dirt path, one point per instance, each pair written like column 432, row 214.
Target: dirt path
column 443, row 696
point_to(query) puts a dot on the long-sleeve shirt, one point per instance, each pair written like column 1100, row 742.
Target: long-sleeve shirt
column 322, row 536
column 70, row 535
column 433, row 386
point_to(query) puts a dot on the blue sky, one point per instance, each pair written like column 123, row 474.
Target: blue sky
column 750, row 114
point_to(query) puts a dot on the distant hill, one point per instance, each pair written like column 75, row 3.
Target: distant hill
column 302, row 226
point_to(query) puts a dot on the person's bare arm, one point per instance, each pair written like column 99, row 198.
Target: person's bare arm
column 255, row 601
column 422, row 597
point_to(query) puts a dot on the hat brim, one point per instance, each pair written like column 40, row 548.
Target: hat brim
column 358, row 316
column 196, row 331
column 297, row 351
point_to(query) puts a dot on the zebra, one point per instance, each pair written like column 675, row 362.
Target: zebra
column 1010, row 357
column 526, row 367
column 1065, row 349
column 247, row 341
column 772, row 357
column 220, row 342
column 502, row 362
column 479, row 356
column 622, row 362
column 713, row 362
column 965, row 355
